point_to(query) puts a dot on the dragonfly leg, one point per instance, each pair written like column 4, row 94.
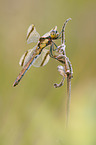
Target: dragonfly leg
column 51, row 47
column 58, row 48
column 59, row 35
column 51, row 51
column 55, row 46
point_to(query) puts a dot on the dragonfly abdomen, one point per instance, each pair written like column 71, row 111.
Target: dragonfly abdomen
column 24, row 70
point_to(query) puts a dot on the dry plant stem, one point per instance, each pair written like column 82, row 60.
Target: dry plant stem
column 68, row 99
column 63, row 31
column 60, row 84
column 63, row 45
column 67, row 72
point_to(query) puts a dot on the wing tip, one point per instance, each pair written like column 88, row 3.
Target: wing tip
column 30, row 29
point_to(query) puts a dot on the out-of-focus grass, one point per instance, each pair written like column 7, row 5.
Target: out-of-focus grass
column 34, row 112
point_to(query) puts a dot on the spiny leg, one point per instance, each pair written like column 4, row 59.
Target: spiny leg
column 58, row 49
column 59, row 35
column 52, row 49
column 55, row 46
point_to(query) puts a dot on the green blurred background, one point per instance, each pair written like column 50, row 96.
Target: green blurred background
column 34, row 112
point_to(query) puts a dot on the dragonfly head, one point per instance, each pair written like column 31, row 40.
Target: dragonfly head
column 54, row 33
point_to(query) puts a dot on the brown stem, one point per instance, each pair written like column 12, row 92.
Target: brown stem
column 68, row 99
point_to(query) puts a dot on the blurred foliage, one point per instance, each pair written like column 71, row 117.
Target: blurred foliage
column 34, row 112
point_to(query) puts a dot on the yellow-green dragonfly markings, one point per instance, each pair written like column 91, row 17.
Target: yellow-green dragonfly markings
column 37, row 56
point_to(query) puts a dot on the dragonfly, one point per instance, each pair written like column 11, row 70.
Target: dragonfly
column 38, row 55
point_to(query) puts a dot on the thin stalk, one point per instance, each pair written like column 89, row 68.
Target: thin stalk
column 67, row 72
column 68, row 99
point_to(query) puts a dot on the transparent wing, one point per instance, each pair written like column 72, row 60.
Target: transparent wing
column 48, row 33
column 42, row 59
column 32, row 34
column 26, row 57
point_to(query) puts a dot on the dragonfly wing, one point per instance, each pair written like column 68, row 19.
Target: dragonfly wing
column 32, row 34
column 42, row 59
column 30, row 58
column 48, row 33
column 26, row 57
